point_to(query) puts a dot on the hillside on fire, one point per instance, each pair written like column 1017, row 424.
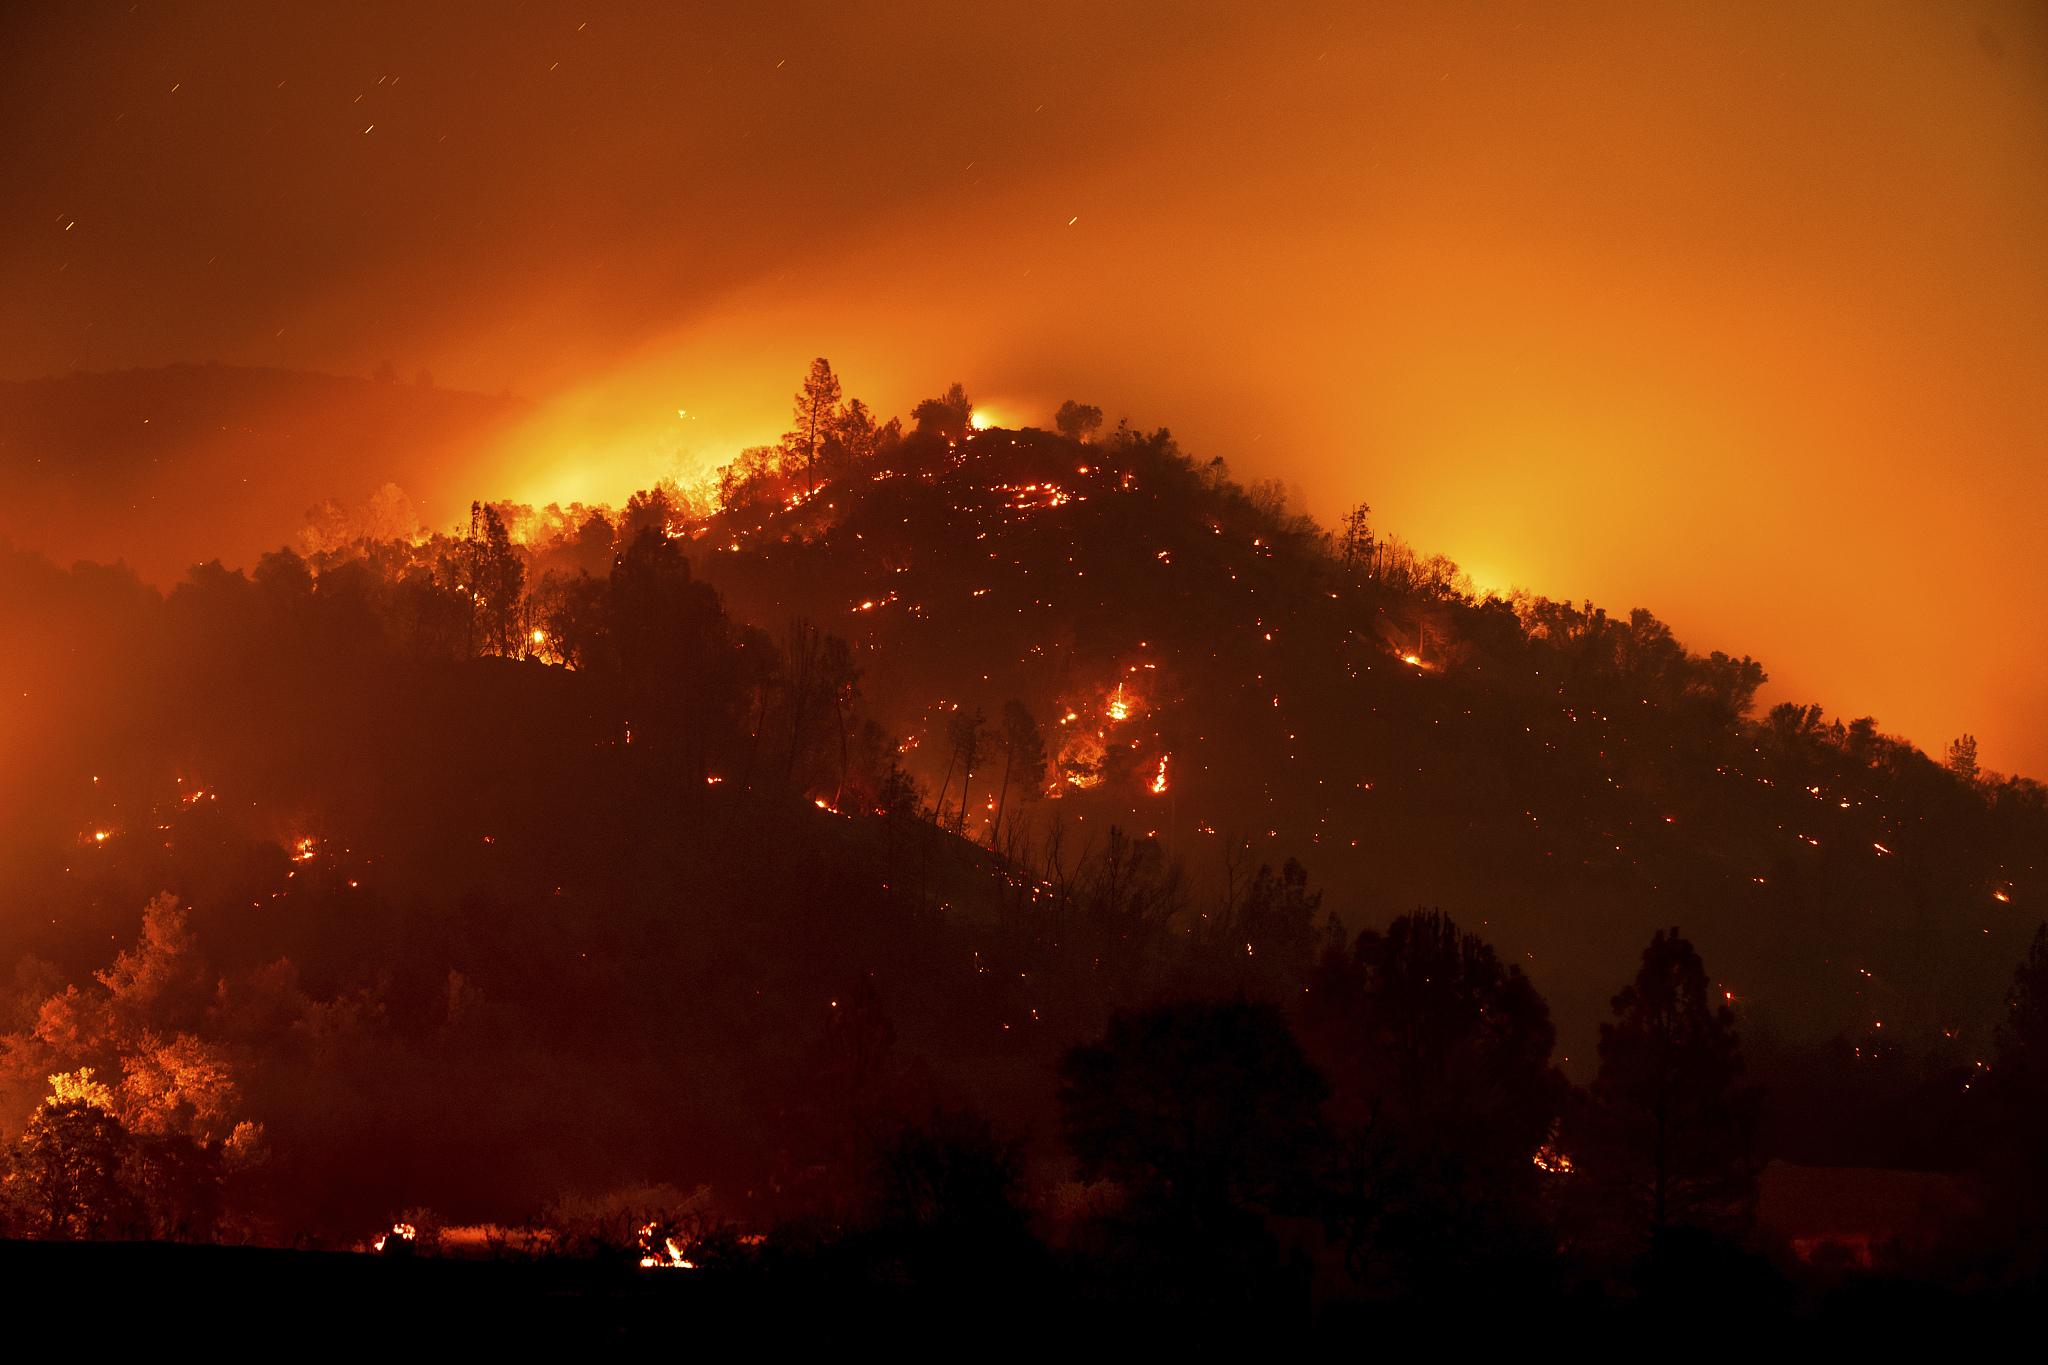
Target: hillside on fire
column 893, row 774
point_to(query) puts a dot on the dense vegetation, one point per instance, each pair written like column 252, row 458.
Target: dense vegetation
column 889, row 808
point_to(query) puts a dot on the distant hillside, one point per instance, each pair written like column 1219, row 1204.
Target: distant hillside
column 167, row 468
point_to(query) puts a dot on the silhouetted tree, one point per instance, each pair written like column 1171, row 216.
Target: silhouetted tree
column 1078, row 420
column 819, row 682
column 855, row 438
column 964, row 729
column 495, row 579
column 2019, row 1085
column 1355, row 541
column 1667, row 1134
column 651, row 509
column 1205, row 1115
column 1961, row 758
column 1273, row 930
column 1023, row 757
column 573, row 616
column 1439, row 1055
column 946, row 417
column 673, row 649
column 749, row 481
column 176, row 1181
column 815, row 405
column 949, row 1206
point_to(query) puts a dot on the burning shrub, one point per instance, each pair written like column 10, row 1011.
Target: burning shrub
column 625, row 1223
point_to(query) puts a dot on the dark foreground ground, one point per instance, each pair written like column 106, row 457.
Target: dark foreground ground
column 311, row 1302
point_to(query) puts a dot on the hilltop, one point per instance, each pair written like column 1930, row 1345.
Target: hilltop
column 600, row 845
column 1222, row 673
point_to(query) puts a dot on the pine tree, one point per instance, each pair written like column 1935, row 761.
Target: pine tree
column 817, row 404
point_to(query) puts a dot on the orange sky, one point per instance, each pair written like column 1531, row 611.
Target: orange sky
column 1737, row 312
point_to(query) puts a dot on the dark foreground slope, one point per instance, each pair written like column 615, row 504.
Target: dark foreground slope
column 271, row 1299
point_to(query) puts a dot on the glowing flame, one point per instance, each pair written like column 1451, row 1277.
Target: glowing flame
column 405, row 1232
column 1159, row 780
column 540, row 637
column 1119, row 709
column 1549, row 1159
column 302, row 851
column 668, row 1256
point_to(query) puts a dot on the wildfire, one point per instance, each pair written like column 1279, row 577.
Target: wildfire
column 1159, row 779
column 1029, row 496
column 302, row 851
column 406, row 1233
column 1549, row 1159
column 668, row 1256
column 1119, row 709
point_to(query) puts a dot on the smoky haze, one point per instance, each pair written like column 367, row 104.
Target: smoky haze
column 1731, row 312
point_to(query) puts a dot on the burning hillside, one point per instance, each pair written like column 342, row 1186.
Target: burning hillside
column 546, row 852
